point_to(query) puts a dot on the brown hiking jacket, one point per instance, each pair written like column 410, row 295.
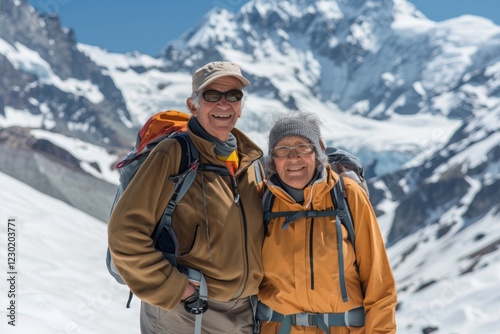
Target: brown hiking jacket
column 217, row 236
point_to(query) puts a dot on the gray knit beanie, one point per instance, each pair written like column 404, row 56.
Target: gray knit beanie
column 299, row 123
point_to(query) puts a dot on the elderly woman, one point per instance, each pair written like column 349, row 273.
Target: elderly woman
column 305, row 289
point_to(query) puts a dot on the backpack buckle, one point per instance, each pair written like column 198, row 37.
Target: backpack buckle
column 194, row 304
column 342, row 213
column 311, row 214
column 304, row 319
column 170, row 207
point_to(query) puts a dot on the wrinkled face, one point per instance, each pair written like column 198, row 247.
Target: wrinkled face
column 295, row 170
column 218, row 118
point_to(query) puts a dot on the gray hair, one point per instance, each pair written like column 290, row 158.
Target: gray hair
column 300, row 123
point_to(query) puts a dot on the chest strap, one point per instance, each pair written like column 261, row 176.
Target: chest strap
column 351, row 318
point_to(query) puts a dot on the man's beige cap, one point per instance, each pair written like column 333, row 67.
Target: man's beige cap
column 214, row 70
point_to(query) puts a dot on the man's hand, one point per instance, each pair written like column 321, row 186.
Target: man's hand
column 190, row 289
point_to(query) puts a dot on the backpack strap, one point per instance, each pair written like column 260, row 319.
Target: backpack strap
column 182, row 183
column 339, row 197
column 352, row 318
column 258, row 175
column 267, row 206
column 343, row 217
column 291, row 216
column 294, row 215
column 197, row 304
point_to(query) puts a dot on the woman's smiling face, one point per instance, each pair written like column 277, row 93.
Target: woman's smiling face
column 295, row 170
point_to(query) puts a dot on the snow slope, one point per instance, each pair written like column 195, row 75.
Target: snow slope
column 63, row 285
column 450, row 283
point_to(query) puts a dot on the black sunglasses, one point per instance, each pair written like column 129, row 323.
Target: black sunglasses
column 233, row 95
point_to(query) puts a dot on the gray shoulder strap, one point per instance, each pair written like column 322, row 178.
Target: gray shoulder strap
column 258, row 175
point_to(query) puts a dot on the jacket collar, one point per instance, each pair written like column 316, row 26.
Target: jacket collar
column 248, row 151
column 317, row 190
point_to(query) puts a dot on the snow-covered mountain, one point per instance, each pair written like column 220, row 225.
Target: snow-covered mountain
column 48, row 83
column 444, row 237
column 418, row 101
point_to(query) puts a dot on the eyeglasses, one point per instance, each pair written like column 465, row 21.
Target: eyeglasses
column 233, row 95
column 285, row 151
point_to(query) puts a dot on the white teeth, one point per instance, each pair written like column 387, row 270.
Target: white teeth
column 222, row 116
column 294, row 169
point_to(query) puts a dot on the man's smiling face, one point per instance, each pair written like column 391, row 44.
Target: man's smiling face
column 219, row 118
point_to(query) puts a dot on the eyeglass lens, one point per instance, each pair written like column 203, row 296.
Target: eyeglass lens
column 233, row 95
column 285, row 151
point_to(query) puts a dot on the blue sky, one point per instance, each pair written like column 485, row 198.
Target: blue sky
column 148, row 25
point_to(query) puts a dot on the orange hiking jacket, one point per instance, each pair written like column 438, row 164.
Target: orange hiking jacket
column 301, row 262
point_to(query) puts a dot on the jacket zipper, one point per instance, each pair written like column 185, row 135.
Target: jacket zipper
column 311, row 254
column 236, row 192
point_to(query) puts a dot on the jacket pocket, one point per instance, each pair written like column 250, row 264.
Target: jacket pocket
column 192, row 243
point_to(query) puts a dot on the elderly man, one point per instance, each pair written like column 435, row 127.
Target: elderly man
column 218, row 223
